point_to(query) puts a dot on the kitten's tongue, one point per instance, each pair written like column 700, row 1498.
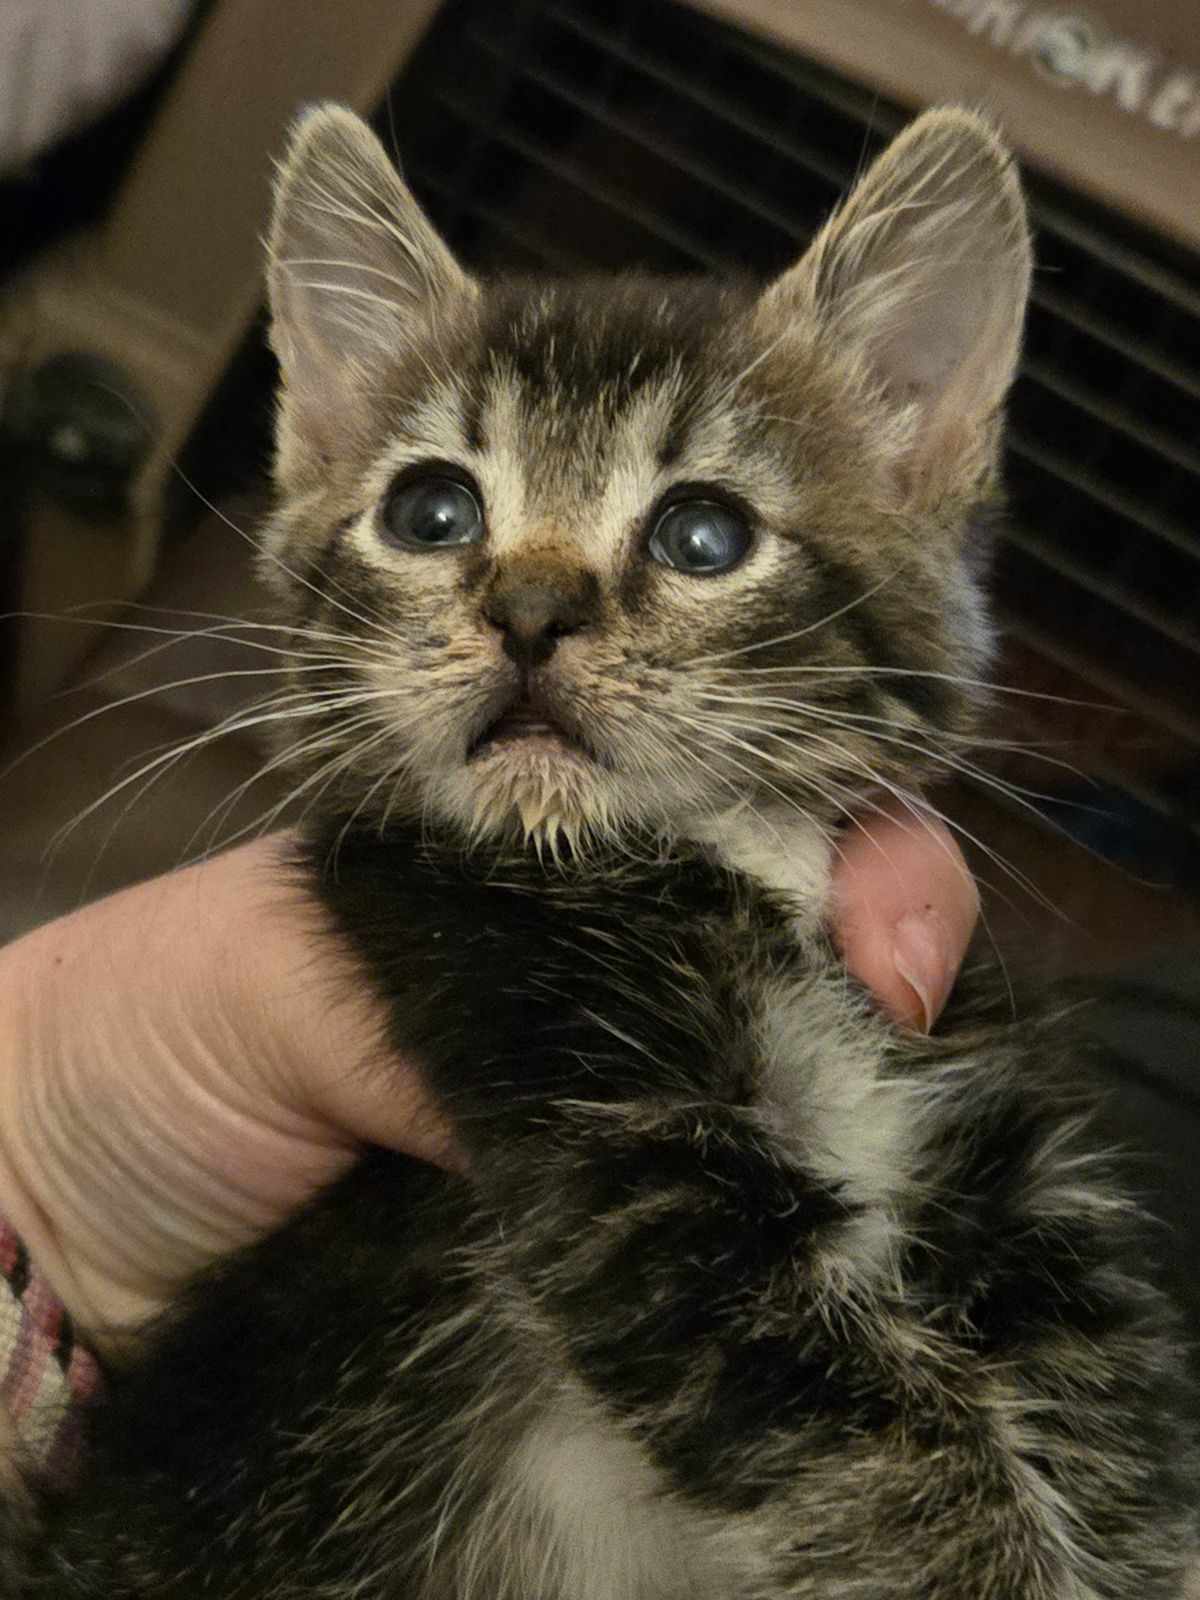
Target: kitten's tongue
column 520, row 721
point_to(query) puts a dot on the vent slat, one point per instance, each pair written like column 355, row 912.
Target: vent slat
column 1104, row 495
column 1121, row 418
column 1154, row 708
column 1121, row 258
column 1138, row 352
column 838, row 174
column 548, row 255
column 1145, row 667
column 881, row 120
column 650, row 140
column 707, row 98
column 1099, row 771
column 1145, row 793
column 582, row 182
column 1104, row 588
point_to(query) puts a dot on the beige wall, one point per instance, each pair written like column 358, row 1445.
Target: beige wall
column 1105, row 95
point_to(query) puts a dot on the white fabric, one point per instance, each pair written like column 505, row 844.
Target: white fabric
column 63, row 62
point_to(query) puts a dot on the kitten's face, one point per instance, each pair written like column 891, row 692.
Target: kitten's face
column 610, row 555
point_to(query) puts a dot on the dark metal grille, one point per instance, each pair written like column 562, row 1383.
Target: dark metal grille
column 608, row 133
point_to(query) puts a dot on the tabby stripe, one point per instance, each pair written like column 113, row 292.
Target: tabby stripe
column 843, row 589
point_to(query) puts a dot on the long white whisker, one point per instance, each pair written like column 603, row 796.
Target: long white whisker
column 827, row 787
column 868, row 671
column 238, row 723
column 150, row 693
column 318, row 780
column 798, row 633
column 281, row 759
column 755, row 701
column 759, row 781
column 266, row 820
column 1017, row 793
column 918, row 808
column 377, row 626
column 171, row 636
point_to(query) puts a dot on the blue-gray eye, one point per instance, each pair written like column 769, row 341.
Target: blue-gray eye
column 699, row 536
column 432, row 513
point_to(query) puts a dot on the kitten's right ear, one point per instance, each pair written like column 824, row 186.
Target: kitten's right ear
column 922, row 276
column 354, row 270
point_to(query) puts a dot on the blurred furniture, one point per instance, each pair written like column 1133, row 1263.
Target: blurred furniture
column 120, row 777
column 64, row 62
column 110, row 349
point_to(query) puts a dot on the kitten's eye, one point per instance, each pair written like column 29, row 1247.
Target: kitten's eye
column 699, row 536
column 432, row 513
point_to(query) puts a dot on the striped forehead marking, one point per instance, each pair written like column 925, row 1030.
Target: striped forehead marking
column 579, row 474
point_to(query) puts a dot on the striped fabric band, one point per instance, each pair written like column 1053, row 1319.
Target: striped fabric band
column 45, row 1375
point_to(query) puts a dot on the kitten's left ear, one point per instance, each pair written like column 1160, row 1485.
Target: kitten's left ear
column 923, row 274
column 355, row 268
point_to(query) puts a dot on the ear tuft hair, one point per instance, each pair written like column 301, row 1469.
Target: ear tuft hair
column 923, row 274
column 354, row 268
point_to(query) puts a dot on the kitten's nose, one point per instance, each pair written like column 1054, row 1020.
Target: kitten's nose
column 535, row 609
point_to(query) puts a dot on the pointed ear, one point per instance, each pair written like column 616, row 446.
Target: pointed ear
column 354, row 270
column 924, row 273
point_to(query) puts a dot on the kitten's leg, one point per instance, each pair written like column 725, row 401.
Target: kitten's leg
column 853, row 1434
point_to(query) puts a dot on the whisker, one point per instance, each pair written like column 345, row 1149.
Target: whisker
column 1017, row 793
column 760, row 782
column 377, row 626
column 861, row 801
column 917, row 806
column 138, row 695
column 1030, row 748
column 172, row 636
column 327, row 772
column 798, row 633
column 280, row 759
column 868, row 671
column 239, row 722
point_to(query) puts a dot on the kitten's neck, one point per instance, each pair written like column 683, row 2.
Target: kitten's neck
column 782, row 850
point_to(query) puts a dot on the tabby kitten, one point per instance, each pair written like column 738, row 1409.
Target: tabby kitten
column 610, row 600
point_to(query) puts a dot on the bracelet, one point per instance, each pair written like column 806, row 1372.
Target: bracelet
column 46, row 1375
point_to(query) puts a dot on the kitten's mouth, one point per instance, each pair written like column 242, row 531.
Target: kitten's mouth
column 528, row 728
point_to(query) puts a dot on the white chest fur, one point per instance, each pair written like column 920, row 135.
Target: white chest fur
column 586, row 1517
column 784, row 853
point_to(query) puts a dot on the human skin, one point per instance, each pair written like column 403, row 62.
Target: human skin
column 183, row 1063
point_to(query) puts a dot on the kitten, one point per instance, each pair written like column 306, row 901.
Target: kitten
column 611, row 600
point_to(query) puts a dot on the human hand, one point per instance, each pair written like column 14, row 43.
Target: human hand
column 905, row 907
column 183, row 1064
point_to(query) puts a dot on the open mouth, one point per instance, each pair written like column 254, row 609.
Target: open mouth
column 524, row 726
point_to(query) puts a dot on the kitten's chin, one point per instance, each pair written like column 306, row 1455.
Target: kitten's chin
column 537, row 787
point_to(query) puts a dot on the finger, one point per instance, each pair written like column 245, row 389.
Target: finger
column 386, row 1101
column 905, row 906
column 322, row 1032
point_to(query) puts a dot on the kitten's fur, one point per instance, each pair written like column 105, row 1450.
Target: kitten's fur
column 747, row 1293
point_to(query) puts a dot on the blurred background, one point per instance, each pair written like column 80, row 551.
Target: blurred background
column 135, row 162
